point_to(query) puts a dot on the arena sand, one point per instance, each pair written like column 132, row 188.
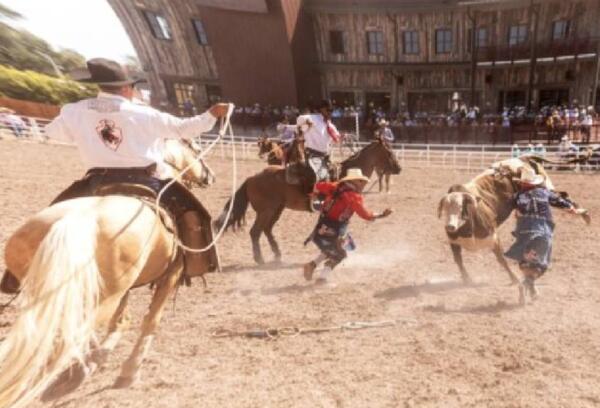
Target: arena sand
column 454, row 346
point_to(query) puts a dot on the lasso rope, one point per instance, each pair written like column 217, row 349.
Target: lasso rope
column 273, row 333
column 225, row 125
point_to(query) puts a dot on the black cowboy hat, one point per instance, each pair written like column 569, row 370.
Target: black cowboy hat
column 325, row 104
column 105, row 72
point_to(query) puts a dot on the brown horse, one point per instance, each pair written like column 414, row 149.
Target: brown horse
column 269, row 194
column 273, row 150
column 381, row 177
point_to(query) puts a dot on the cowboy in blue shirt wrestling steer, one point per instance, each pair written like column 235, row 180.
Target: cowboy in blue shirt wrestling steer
column 533, row 245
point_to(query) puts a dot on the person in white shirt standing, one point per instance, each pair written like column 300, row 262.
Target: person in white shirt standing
column 318, row 132
column 122, row 142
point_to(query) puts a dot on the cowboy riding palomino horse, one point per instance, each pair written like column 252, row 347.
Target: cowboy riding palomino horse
column 74, row 264
column 270, row 193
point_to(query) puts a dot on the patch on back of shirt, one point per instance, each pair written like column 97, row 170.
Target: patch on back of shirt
column 104, row 105
column 110, row 134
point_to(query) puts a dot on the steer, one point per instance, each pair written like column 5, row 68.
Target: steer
column 475, row 210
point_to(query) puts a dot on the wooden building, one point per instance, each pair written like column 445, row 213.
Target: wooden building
column 197, row 52
column 416, row 55
column 420, row 55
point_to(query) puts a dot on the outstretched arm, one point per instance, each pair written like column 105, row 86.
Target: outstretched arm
column 556, row 200
column 359, row 208
column 190, row 127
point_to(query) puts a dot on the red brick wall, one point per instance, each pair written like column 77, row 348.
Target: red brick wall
column 33, row 109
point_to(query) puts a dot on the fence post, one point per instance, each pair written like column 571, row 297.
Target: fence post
column 402, row 154
column 469, row 162
column 454, row 156
column 482, row 156
column 34, row 129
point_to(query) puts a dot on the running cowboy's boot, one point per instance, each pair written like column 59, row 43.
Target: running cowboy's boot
column 309, row 270
column 529, row 283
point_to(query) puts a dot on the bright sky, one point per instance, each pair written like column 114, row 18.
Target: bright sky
column 90, row 27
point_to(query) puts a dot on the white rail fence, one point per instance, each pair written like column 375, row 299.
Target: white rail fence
column 442, row 156
column 452, row 157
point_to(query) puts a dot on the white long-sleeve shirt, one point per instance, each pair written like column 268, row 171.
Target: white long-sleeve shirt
column 111, row 131
column 317, row 137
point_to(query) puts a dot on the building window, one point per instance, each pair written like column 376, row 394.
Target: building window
column 200, row 33
column 336, row 42
column 185, row 97
column 375, row 42
column 410, row 42
column 560, row 30
column 443, row 41
column 517, row 34
column 159, row 25
column 481, row 38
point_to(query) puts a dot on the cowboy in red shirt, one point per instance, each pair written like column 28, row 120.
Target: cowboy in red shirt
column 342, row 200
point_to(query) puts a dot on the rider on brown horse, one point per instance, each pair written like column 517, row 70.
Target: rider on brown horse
column 342, row 200
column 121, row 142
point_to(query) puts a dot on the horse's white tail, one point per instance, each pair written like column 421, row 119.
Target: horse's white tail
column 58, row 308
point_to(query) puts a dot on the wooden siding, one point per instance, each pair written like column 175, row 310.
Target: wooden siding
column 428, row 71
column 181, row 57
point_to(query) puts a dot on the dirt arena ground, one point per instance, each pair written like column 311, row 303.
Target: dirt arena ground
column 453, row 346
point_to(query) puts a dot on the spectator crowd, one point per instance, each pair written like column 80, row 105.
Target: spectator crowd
column 577, row 122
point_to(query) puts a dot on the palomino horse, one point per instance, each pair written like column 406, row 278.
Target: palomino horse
column 179, row 154
column 76, row 262
column 270, row 194
column 273, row 150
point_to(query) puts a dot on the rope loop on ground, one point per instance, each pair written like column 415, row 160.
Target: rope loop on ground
column 291, row 331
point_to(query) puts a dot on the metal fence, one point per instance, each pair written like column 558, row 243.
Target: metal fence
column 467, row 157
column 473, row 157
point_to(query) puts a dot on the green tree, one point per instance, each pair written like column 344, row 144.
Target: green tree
column 8, row 13
column 33, row 86
column 23, row 50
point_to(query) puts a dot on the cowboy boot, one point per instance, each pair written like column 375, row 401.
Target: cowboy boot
column 192, row 236
column 309, row 269
column 10, row 284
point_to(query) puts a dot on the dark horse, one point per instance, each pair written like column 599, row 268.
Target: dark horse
column 270, row 194
column 273, row 150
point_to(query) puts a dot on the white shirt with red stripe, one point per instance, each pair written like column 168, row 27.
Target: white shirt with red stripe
column 112, row 132
column 319, row 134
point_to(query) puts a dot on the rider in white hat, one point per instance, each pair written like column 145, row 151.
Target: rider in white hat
column 342, row 200
column 535, row 226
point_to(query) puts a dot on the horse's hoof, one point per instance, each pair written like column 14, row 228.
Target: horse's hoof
column 125, row 382
column 67, row 382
